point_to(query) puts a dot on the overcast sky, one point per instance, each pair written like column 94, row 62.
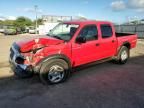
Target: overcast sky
column 113, row 10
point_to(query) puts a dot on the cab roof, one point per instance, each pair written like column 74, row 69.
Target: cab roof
column 87, row 22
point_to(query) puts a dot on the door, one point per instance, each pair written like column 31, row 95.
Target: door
column 89, row 51
column 108, row 42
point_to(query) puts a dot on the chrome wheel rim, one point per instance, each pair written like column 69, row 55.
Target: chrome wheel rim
column 124, row 55
column 56, row 74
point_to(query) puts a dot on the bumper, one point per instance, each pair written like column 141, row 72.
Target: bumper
column 21, row 70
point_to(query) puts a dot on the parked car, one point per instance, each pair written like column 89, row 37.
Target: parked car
column 68, row 45
column 32, row 30
column 1, row 29
column 10, row 30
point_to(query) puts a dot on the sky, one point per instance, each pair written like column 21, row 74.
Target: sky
column 117, row 11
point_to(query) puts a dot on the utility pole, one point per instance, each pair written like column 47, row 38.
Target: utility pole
column 36, row 25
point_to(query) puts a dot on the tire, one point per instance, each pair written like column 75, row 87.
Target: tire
column 54, row 71
column 123, row 55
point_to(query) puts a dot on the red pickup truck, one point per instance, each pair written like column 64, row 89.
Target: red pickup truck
column 68, row 45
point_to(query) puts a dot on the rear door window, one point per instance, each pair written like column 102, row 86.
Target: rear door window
column 106, row 31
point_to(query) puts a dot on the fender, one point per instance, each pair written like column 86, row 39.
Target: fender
column 55, row 56
column 127, row 44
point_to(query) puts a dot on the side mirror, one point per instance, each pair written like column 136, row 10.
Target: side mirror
column 81, row 40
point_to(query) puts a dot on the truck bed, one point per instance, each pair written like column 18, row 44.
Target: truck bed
column 126, row 37
column 123, row 34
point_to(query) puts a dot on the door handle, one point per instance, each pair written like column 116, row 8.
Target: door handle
column 97, row 44
column 113, row 41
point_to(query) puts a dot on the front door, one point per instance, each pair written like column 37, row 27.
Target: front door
column 89, row 51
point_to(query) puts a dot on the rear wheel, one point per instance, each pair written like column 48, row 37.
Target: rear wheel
column 54, row 71
column 123, row 55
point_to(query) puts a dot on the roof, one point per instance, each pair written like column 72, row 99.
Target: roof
column 86, row 22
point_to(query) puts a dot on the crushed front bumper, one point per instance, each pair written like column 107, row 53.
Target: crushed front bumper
column 21, row 70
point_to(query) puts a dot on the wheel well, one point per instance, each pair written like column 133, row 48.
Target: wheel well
column 63, row 57
column 127, row 45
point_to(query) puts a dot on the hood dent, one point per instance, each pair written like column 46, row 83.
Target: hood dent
column 30, row 44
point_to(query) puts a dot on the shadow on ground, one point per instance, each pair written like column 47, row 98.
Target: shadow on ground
column 104, row 85
column 79, row 72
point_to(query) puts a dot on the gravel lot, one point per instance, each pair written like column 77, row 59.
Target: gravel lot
column 105, row 85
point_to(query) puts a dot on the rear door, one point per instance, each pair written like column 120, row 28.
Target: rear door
column 108, row 42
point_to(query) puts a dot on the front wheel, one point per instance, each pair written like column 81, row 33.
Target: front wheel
column 54, row 71
column 123, row 55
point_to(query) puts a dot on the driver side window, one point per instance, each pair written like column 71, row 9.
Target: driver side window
column 89, row 32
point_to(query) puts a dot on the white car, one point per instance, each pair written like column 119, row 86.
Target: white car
column 2, row 29
column 32, row 30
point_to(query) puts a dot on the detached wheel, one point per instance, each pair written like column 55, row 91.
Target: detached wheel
column 123, row 55
column 54, row 71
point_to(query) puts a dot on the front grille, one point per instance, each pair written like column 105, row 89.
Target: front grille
column 16, row 47
column 12, row 52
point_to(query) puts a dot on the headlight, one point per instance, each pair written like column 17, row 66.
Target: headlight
column 19, row 60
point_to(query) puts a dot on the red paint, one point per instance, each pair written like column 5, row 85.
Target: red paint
column 77, row 53
column 28, row 44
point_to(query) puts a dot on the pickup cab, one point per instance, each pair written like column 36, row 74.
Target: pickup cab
column 68, row 45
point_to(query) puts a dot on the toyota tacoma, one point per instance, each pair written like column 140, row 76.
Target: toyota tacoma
column 68, row 45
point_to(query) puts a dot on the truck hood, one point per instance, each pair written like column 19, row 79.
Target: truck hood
column 41, row 41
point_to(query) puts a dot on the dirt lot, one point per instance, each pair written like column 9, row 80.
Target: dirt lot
column 104, row 85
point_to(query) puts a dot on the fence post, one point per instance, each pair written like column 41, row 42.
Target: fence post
column 135, row 29
column 121, row 28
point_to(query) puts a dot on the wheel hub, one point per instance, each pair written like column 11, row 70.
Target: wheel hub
column 124, row 55
column 56, row 73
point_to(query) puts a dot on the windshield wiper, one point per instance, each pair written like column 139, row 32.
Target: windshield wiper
column 54, row 36
column 48, row 34
column 57, row 37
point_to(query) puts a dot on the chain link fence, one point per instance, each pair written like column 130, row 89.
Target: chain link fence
column 136, row 29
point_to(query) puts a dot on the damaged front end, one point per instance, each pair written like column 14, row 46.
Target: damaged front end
column 17, row 63
column 26, row 56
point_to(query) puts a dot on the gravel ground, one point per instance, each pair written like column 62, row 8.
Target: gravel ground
column 103, row 85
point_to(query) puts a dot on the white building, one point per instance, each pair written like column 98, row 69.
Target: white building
column 50, row 21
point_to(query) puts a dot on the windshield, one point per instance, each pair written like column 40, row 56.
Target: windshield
column 63, row 31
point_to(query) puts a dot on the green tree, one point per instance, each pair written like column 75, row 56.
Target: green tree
column 8, row 22
column 39, row 22
column 22, row 22
column 1, row 22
